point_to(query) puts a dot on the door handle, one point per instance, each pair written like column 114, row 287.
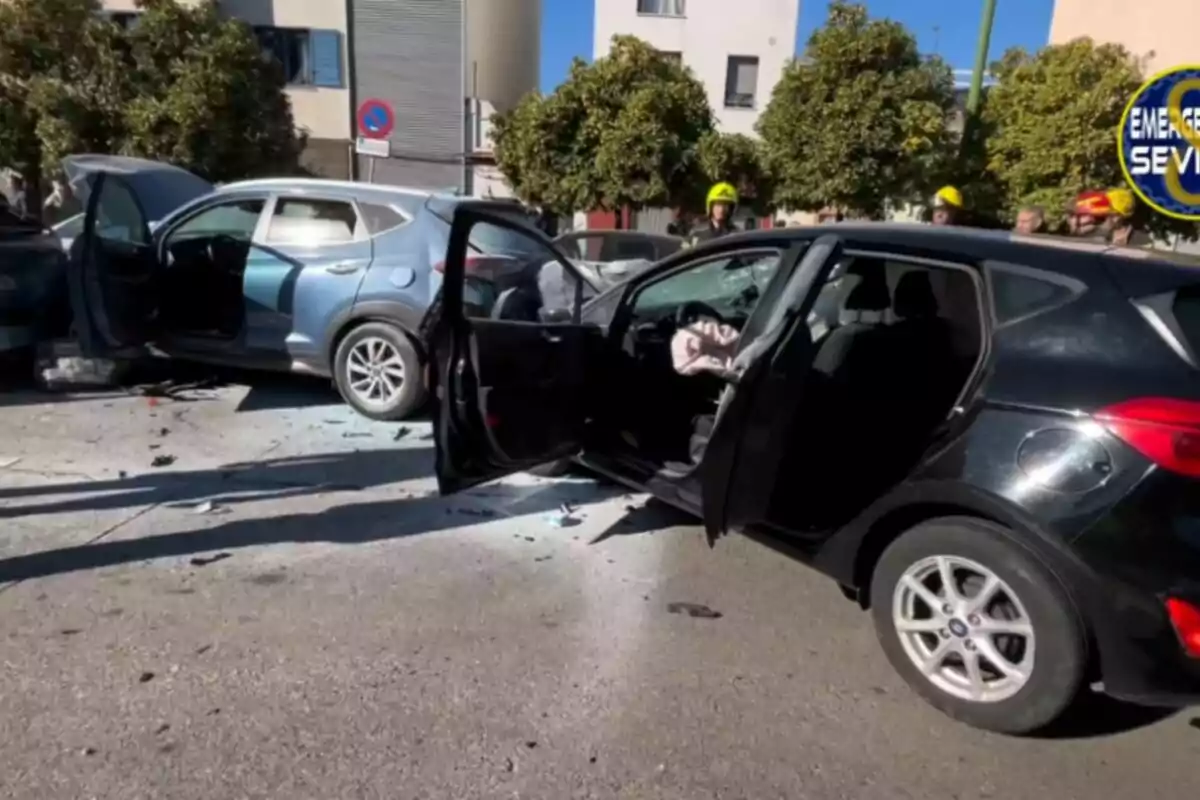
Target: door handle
column 343, row 268
column 552, row 338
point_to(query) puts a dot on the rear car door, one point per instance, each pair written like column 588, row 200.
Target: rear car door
column 514, row 372
column 112, row 277
column 309, row 258
column 742, row 458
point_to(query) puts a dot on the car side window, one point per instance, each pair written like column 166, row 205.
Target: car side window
column 729, row 283
column 308, row 221
column 380, row 219
column 511, row 274
column 118, row 218
column 1020, row 292
column 236, row 219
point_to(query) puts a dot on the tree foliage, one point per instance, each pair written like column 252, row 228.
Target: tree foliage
column 203, row 95
column 185, row 85
column 1052, row 122
column 620, row 131
column 861, row 121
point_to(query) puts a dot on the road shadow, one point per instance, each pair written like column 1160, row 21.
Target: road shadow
column 350, row 523
column 179, row 380
column 230, row 483
column 645, row 517
column 1096, row 715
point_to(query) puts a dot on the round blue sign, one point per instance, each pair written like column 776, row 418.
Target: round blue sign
column 375, row 119
column 1159, row 142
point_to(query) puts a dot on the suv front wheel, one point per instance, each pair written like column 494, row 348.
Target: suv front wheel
column 979, row 625
column 378, row 372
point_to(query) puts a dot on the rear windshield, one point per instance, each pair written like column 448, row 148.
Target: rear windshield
column 493, row 239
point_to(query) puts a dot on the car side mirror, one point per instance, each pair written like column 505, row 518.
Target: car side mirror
column 555, row 315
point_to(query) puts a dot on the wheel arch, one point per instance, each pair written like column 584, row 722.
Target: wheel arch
column 403, row 316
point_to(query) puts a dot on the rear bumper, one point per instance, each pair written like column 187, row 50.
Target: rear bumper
column 1141, row 658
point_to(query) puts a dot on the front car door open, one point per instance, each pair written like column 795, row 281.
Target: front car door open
column 513, row 369
column 113, row 270
column 742, row 458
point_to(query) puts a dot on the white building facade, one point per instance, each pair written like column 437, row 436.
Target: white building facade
column 737, row 49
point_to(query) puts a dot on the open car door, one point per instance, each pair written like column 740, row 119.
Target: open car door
column 742, row 458
column 512, row 369
column 112, row 271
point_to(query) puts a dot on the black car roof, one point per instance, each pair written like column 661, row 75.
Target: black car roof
column 978, row 244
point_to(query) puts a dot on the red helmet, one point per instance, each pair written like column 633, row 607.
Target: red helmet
column 1093, row 204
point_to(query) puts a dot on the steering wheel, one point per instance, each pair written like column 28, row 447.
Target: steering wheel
column 693, row 310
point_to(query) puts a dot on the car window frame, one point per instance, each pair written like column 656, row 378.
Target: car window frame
column 699, row 260
column 360, row 228
column 406, row 218
column 163, row 233
column 1075, row 286
column 984, row 302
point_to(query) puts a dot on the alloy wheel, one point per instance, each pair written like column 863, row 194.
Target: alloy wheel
column 964, row 629
column 375, row 371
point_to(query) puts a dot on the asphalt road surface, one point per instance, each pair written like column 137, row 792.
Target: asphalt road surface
column 285, row 610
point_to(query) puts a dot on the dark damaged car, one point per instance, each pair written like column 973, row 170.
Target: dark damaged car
column 992, row 443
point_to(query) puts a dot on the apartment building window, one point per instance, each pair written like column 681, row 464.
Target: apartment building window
column 308, row 57
column 741, row 81
column 672, row 55
column 662, row 8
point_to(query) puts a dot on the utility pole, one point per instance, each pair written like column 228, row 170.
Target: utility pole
column 970, row 122
column 981, row 55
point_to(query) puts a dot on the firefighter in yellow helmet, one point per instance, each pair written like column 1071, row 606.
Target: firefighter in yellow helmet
column 719, row 207
column 947, row 206
column 1121, row 230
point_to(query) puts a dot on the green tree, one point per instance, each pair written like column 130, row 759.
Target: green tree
column 1052, row 124
column 621, row 131
column 203, row 95
column 59, row 85
column 1053, row 119
column 861, row 121
column 738, row 159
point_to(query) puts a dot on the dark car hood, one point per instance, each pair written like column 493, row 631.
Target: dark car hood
column 160, row 188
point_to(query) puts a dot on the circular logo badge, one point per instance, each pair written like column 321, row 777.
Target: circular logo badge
column 1159, row 142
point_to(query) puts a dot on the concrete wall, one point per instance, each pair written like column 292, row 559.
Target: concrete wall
column 409, row 53
column 706, row 35
column 503, row 50
column 1161, row 31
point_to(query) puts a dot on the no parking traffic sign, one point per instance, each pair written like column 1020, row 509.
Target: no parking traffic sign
column 376, row 120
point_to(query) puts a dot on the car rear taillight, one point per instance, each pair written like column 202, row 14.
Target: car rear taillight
column 1164, row 430
column 472, row 263
column 1185, row 619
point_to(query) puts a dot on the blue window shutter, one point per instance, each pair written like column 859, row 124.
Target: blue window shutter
column 326, row 48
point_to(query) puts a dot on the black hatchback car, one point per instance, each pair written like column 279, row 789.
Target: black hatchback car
column 991, row 442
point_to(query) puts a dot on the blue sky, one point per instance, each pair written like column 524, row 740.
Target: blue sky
column 567, row 28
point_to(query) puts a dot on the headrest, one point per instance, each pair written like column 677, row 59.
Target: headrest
column 871, row 294
column 914, row 296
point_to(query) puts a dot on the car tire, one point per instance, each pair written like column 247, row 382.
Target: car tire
column 394, row 348
column 1032, row 694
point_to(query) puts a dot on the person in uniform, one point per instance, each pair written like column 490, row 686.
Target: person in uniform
column 718, row 207
column 947, row 206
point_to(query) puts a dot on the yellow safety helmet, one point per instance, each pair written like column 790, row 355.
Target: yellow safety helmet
column 721, row 193
column 1122, row 202
column 948, row 196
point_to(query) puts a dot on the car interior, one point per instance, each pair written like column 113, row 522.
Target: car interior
column 895, row 344
column 205, row 259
